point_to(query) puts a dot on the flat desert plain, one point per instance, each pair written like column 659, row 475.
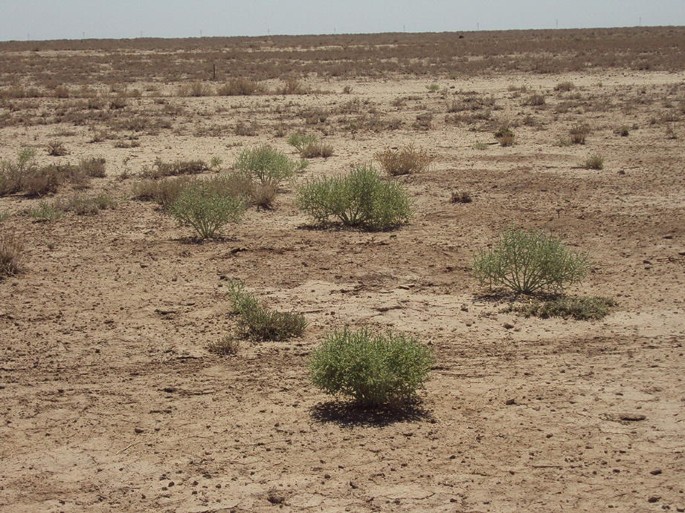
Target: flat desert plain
column 110, row 398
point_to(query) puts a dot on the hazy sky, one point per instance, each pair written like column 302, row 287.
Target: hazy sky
column 72, row 19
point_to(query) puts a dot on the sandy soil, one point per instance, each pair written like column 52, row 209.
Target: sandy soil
column 111, row 401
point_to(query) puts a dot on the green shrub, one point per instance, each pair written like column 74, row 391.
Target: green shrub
column 11, row 251
column 261, row 323
column 362, row 199
column 267, row 164
column 12, row 173
column 373, row 370
column 564, row 86
column 404, row 161
column 45, row 212
column 93, row 167
column 300, row 141
column 205, row 208
column 226, row 346
column 240, row 87
column 530, row 261
column 579, row 308
column 88, row 205
column 309, row 146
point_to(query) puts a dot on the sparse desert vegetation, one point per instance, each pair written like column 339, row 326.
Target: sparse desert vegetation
column 248, row 274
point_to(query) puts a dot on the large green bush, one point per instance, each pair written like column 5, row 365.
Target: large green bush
column 206, row 208
column 530, row 261
column 372, row 369
column 361, row 199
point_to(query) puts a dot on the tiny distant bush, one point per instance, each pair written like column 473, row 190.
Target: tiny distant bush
column 13, row 173
column 535, row 100
column 161, row 169
column 11, row 251
column 56, row 149
column 404, row 161
column 240, row 87
column 461, row 197
column 261, row 323
column 372, row 370
column 292, row 86
column 361, row 199
column 45, row 212
column 267, row 164
column 623, row 131
column 580, row 308
column 505, row 136
column 579, row 133
column 205, row 208
column 93, row 167
column 564, row 86
column 594, row 162
column 530, row 261
column 195, row 89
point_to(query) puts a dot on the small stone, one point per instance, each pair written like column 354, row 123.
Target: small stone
column 510, row 402
column 654, row 498
column 139, row 430
column 507, row 325
column 632, row 417
column 656, row 472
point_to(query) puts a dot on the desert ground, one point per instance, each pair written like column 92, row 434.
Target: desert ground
column 110, row 398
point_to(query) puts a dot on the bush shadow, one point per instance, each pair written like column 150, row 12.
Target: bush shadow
column 350, row 414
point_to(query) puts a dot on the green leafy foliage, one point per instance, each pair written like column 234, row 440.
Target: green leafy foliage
column 205, row 208
column 372, row 369
column 268, row 165
column 361, row 199
column 261, row 323
column 530, row 261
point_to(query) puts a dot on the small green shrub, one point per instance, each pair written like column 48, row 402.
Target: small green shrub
column 11, row 251
column 45, row 212
column 594, row 162
column 267, row 164
column 205, row 208
column 373, row 370
column 88, row 205
column 195, row 89
column 93, row 167
column 535, row 100
column 362, row 199
column 309, row 146
column 404, row 161
column 261, row 323
column 12, row 173
column 530, row 261
column 580, row 308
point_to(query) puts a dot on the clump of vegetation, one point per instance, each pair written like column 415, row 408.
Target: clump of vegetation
column 56, row 149
column 535, row 100
column 623, row 131
column 579, row 133
column 505, row 136
column 11, row 251
column 12, row 173
column 259, row 322
column 530, row 261
column 461, row 197
column 371, row 369
column 594, row 162
column 584, row 308
column 205, row 208
column 225, row 346
column 240, row 87
column 268, row 165
column 404, row 161
column 564, row 87
column 161, row 169
column 361, row 199
column 45, row 212
column 309, row 146
column 86, row 205
column 433, row 88
column 246, row 129
column 195, row 89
